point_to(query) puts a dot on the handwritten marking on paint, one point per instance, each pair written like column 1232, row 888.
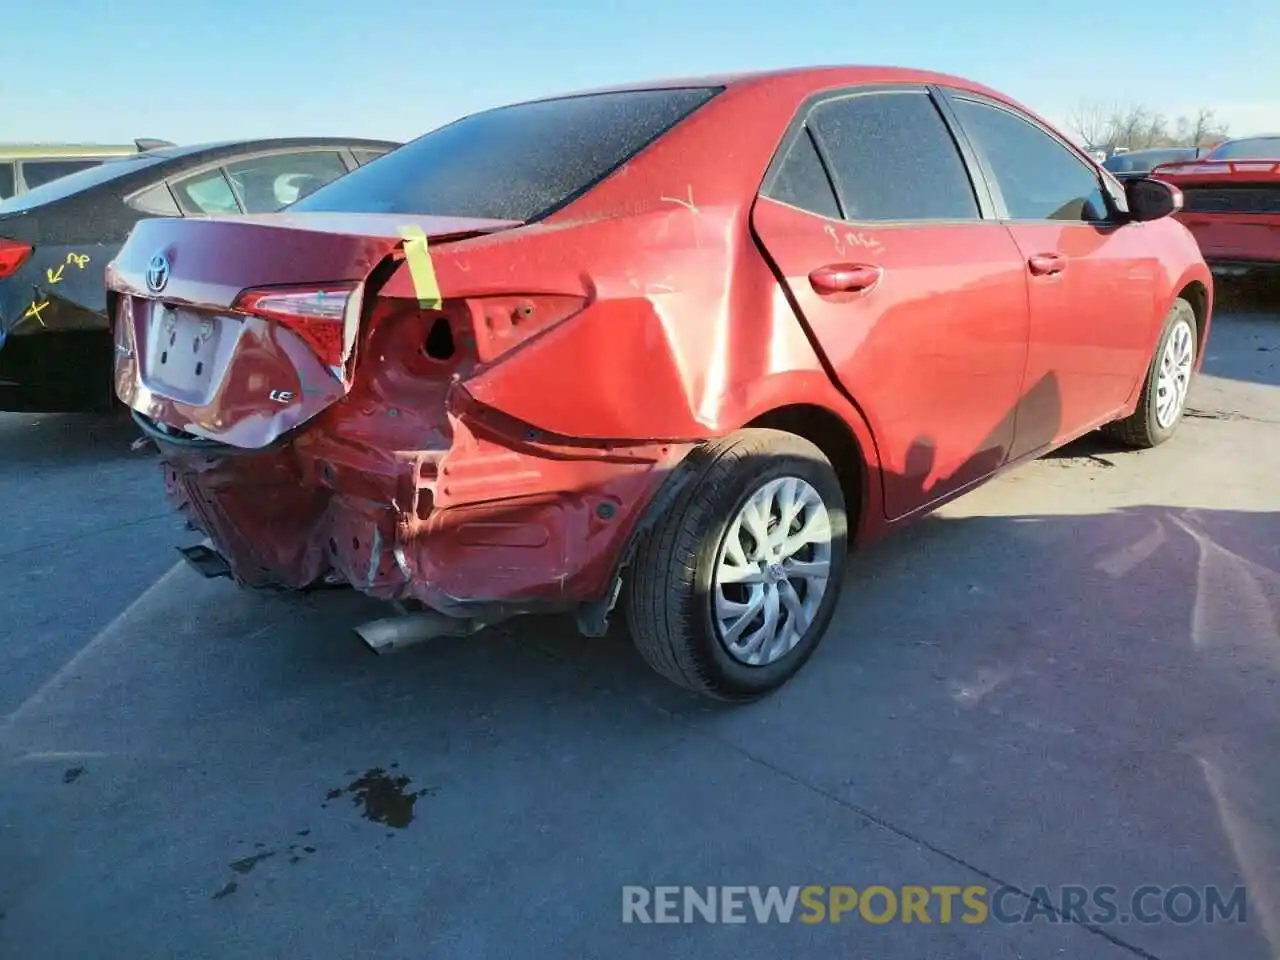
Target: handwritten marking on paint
column 35, row 310
column 692, row 208
column 78, row 260
column 421, row 270
column 687, row 204
column 852, row 239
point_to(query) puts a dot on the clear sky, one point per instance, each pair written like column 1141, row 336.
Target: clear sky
column 192, row 70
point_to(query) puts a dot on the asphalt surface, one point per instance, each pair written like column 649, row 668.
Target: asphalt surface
column 1068, row 677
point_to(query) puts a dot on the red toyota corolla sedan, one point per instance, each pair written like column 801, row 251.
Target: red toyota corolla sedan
column 677, row 344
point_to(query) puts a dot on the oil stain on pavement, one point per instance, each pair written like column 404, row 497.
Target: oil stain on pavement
column 382, row 795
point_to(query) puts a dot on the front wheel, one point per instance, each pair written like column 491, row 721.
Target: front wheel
column 732, row 590
column 1165, row 389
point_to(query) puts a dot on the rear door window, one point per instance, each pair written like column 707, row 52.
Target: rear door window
column 513, row 163
column 893, row 158
column 1039, row 177
column 155, row 200
column 367, row 156
column 6, row 181
column 802, row 181
column 36, row 173
column 208, row 192
column 267, row 184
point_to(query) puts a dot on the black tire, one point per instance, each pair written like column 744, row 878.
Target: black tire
column 1143, row 430
column 669, row 586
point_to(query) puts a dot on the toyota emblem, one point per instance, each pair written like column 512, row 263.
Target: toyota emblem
column 158, row 273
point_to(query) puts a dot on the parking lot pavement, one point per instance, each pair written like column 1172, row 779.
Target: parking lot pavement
column 1068, row 677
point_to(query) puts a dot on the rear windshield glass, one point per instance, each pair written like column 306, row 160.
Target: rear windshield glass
column 513, row 163
column 1258, row 148
column 81, row 180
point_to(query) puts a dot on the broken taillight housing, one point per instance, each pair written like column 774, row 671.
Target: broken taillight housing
column 13, row 254
column 316, row 313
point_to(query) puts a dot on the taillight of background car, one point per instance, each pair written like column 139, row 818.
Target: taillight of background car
column 13, row 254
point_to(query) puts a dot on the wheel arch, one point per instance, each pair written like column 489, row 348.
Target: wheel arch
column 831, row 434
column 1197, row 294
column 848, row 445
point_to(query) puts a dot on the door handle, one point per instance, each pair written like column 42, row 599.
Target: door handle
column 844, row 277
column 1047, row 264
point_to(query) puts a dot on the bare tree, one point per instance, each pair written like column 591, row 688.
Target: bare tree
column 1202, row 129
column 1089, row 122
column 1136, row 126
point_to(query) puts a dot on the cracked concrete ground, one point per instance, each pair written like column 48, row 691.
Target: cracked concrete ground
column 1067, row 677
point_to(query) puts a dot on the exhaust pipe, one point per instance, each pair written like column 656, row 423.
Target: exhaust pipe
column 392, row 634
column 206, row 561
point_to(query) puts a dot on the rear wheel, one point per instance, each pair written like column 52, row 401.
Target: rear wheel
column 1164, row 391
column 732, row 590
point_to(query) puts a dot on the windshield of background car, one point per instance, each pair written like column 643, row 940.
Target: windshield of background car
column 512, row 163
column 1258, row 148
column 80, row 180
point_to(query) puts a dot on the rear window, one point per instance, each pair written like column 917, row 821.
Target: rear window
column 1257, row 148
column 6, row 181
column 512, row 163
column 73, row 183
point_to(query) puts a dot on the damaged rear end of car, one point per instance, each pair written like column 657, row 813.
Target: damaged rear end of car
column 334, row 387
column 307, row 386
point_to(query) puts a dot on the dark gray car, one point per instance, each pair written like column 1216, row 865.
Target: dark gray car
column 1139, row 163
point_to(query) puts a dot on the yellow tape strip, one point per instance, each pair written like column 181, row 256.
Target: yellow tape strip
column 421, row 271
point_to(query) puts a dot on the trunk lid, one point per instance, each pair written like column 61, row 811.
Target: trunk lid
column 238, row 329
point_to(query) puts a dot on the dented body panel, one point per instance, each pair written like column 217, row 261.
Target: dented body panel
column 509, row 403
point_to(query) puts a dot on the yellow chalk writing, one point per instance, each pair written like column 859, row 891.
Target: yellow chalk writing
column 79, row 259
column 35, row 310
column 55, row 276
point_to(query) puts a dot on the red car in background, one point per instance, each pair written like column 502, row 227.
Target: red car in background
column 1232, row 205
column 679, row 344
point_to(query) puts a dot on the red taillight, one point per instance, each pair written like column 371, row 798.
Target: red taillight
column 13, row 254
column 317, row 314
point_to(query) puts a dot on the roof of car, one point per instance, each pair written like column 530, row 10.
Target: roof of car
column 820, row 76
column 268, row 143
